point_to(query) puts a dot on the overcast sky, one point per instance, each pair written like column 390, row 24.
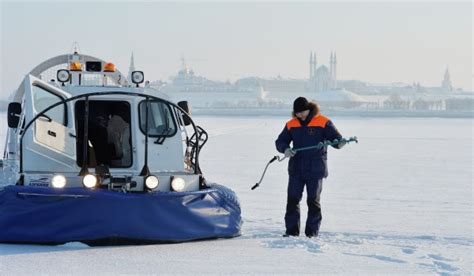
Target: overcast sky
column 375, row 42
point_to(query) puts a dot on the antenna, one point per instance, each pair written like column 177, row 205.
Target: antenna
column 183, row 61
column 75, row 47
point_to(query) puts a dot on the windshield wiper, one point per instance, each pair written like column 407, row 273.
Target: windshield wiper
column 163, row 136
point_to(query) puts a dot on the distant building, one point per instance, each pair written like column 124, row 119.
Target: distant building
column 187, row 81
column 322, row 85
column 322, row 78
column 186, row 77
column 279, row 84
column 446, row 85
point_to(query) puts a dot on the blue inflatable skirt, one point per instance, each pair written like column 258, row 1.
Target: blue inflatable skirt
column 100, row 217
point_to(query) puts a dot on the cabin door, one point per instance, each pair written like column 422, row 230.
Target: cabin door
column 49, row 144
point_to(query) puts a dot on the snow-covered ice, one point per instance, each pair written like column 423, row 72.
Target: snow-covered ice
column 399, row 202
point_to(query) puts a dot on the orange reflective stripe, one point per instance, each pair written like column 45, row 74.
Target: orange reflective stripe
column 293, row 123
column 318, row 121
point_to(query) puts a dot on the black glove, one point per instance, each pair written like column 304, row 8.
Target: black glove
column 289, row 152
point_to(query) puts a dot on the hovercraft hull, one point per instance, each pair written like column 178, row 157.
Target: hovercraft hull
column 41, row 215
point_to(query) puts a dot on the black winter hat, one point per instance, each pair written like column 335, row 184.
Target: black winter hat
column 300, row 104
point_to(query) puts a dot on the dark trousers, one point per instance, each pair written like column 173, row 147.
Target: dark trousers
column 296, row 186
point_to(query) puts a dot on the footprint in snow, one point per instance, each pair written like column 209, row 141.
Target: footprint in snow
column 378, row 257
column 442, row 268
column 441, row 258
column 294, row 242
column 408, row 250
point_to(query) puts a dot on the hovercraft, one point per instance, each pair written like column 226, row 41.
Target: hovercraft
column 96, row 157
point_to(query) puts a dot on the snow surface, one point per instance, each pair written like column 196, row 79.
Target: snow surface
column 399, row 202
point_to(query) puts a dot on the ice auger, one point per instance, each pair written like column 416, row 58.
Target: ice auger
column 320, row 145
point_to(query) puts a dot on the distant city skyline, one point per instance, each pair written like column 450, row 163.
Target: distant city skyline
column 375, row 42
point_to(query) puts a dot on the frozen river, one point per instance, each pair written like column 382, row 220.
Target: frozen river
column 400, row 201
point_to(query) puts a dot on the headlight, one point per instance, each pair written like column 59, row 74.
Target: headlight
column 89, row 181
column 152, row 182
column 58, row 181
column 178, row 184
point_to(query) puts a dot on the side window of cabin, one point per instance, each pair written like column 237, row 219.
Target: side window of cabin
column 43, row 99
column 160, row 119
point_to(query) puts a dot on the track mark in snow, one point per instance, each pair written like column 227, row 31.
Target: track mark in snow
column 441, row 258
column 445, row 266
column 440, row 264
column 441, row 268
column 461, row 241
column 378, row 257
column 274, row 239
column 262, row 235
column 294, row 242
column 366, row 237
column 408, row 250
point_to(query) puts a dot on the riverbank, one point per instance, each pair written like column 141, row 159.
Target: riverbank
column 342, row 113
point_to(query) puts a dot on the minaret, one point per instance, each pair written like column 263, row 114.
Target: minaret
column 311, row 65
column 315, row 65
column 131, row 69
column 334, row 70
column 331, row 72
column 446, row 85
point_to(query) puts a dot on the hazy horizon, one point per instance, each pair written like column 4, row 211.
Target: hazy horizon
column 375, row 42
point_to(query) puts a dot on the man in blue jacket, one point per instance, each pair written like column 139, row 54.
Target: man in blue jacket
column 306, row 168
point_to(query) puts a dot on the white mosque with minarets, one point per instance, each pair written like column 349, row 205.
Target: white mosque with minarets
column 322, row 78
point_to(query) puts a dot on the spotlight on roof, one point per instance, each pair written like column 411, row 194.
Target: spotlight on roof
column 63, row 76
column 138, row 77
